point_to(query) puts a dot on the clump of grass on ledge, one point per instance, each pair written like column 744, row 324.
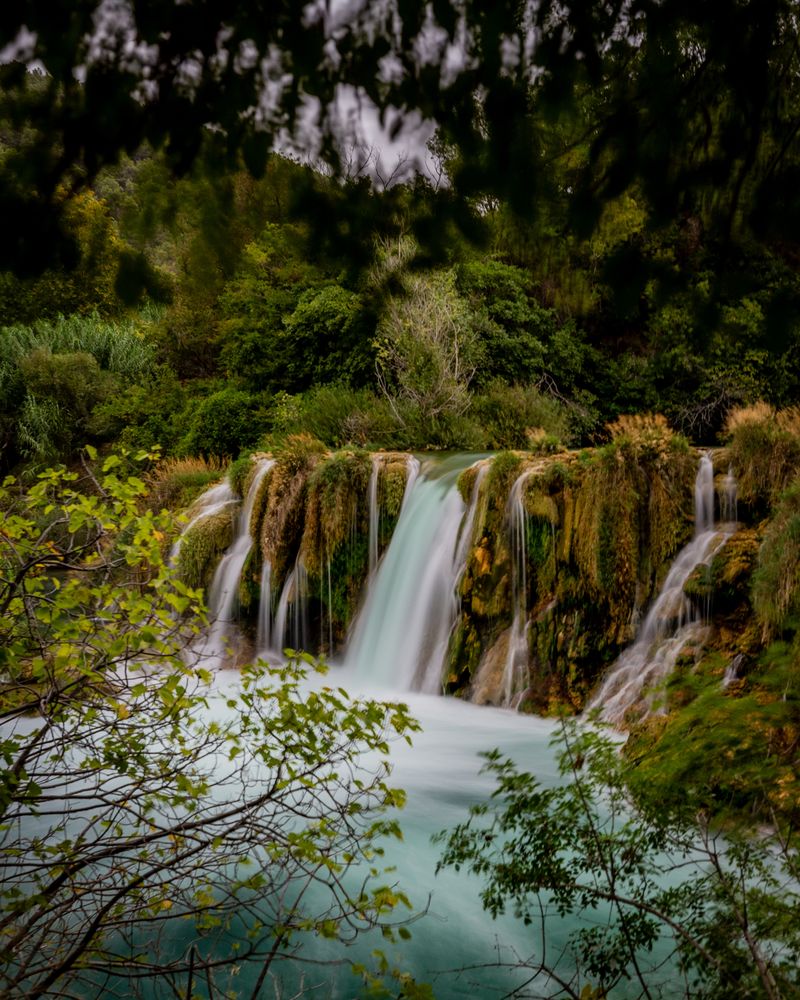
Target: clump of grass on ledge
column 764, row 450
column 176, row 482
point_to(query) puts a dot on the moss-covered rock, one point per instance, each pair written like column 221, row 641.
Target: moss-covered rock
column 203, row 545
column 283, row 520
column 601, row 529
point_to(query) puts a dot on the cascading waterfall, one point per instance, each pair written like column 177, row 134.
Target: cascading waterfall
column 468, row 522
column 290, row 628
column 209, row 503
column 374, row 512
column 704, row 497
column 517, row 522
column 400, row 637
column 222, row 594
column 413, row 468
column 672, row 622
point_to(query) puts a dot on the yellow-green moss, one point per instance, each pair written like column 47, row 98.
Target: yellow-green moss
column 776, row 585
column 203, row 545
column 283, row 520
column 336, row 507
column 466, row 482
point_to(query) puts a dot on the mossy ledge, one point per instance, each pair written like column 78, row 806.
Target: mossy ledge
column 203, row 545
column 601, row 529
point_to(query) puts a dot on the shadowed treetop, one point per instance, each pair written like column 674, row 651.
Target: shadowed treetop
column 694, row 102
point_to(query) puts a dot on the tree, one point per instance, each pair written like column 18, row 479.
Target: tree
column 427, row 348
column 157, row 831
column 648, row 92
column 667, row 905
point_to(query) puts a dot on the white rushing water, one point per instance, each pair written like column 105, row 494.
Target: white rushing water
column 264, row 627
column 517, row 525
column 673, row 621
column 215, row 499
column 399, row 638
column 290, row 628
column 374, row 511
column 224, row 589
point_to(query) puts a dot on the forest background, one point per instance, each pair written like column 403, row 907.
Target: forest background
column 621, row 242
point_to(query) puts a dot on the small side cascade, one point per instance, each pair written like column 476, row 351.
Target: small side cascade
column 290, row 628
column 468, row 522
column 673, row 621
column 374, row 512
column 734, row 670
column 517, row 524
column 400, row 637
column 264, row 626
column 215, row 499
column 223, row 592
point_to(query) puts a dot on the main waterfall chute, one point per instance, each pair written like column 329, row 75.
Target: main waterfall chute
column 401, row 634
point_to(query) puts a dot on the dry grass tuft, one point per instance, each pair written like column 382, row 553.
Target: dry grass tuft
column 764, row 451
column 646, row 432
column 176, row 482
column 743, row 416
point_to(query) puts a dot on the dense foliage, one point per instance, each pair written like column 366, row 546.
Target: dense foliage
column 608, row 227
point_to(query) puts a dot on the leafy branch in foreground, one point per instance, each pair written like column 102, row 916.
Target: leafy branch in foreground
column 665, row 904
column 160, row 828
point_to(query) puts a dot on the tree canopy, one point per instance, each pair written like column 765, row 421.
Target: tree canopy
column 693, row 103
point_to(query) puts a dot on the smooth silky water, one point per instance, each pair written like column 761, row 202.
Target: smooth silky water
column 396, row 652
column 441, row 774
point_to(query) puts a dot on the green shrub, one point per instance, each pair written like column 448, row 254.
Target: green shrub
column 52, row 374
column 225, row 423
column 152, row 412
column 338, row 416
column 510, row 415
column 776, row 582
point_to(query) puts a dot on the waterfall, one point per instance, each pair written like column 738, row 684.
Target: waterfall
column 290, row 628
column 374, row 512
column 400, row 637
column 704, row 496
column 215, row 499
column 412, row 474
column 673, row 620
column 468, row 522
column 224, row 589
column 264, row 629
column 517, row 522
column 734, row 670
